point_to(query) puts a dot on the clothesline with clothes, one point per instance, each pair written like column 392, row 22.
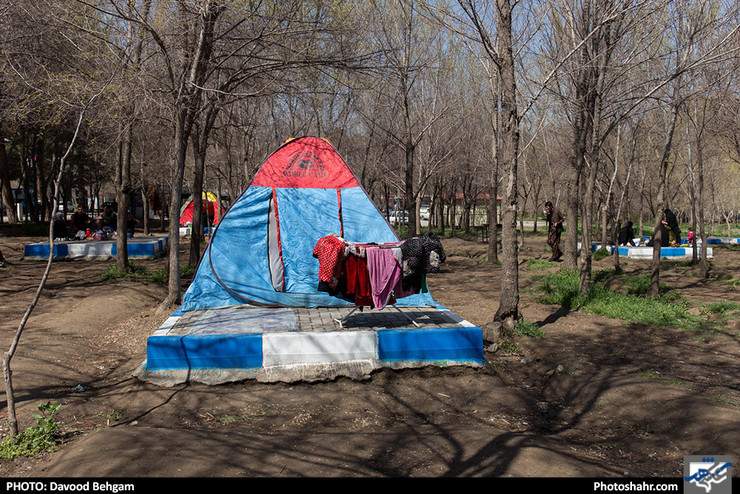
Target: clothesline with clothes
column 376, row 274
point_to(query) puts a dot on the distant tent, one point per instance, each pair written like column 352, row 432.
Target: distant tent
column 262, row 251
column 209, row 203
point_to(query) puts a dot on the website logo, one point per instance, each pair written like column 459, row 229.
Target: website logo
column 707, row 474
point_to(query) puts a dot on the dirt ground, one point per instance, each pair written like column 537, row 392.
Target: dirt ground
column 595, row 397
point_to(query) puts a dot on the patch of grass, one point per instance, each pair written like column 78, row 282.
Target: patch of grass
column 658, row 377
column 231, row 419
column 640, row 285
column 158, row 275
column 528, row 328
column 601, row 254
column 732, row 283
column 721, row 312
column 138, row 273
column 113, row 415
column 561, row 288
column 723, row 307
column 535, row 264
column 650, row 374
column 37, row 439
column 187, row 271
column 724, row 401
column 603, row 274
column 509, row 346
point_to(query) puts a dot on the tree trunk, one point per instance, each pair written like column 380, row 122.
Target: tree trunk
column 508, row 310
column 409, row 190
column 573, row 186
column 123, row 195
column 178, row 171
column 493, row 203
column 7, row 192
column 660, row 201
column 196, row 236
column 186, row 105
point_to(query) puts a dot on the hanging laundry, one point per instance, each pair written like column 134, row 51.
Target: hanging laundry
column 384, row 271
column 329, row 251
column 358, row 280
column 421, row 255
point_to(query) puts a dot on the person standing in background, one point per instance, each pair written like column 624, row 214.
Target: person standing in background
column 555, row 230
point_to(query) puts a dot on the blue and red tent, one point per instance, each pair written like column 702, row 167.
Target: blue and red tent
column 262, row 251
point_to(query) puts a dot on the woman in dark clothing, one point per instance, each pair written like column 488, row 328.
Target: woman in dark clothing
column 671, row 223
column 664, row 236
column 59, row 227
column 626, row 235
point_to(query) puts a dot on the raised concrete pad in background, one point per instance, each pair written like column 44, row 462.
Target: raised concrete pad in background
column 646, row 252
column 138, row 248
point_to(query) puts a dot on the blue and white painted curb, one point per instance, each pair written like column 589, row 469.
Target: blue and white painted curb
column 723, row 240
column 296, row 355
column 646, row 252
column 142, row 248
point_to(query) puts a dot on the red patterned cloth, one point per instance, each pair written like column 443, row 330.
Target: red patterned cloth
column 329, row 251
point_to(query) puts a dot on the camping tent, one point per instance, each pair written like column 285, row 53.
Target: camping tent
column 209, row 203
column 262, row 251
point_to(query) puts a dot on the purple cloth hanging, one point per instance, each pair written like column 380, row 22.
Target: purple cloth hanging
column 384, row 271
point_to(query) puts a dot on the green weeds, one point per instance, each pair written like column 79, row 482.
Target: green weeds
column 536, row 264
column 137, row 273
column 665, row 310
column 528, row 328
column 37, row 439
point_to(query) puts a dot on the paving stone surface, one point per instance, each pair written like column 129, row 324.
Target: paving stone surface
column 247, row 319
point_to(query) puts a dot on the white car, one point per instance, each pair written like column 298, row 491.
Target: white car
column 398, row 217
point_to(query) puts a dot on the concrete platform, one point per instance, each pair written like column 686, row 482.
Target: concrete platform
column 300, row 344
column 186, row 231
column 723, row 240
column 645, row 252
column 138, row 248
column 665, row 252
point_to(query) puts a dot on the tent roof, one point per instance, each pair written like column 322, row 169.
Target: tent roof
column 307, row 162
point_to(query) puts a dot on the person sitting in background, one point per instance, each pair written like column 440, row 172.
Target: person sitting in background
column 627, row 235
column 107, row 218
column 130, row 223
column 59, row 227
column 80, row 220
column 664, row 236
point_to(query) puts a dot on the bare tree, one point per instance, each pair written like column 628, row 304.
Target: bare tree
column 498, row 48
column 8, row 356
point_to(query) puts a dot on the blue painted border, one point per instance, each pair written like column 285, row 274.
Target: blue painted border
column 139, row 249
column 462, row 344
column 42, row 250
column 242, row 351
